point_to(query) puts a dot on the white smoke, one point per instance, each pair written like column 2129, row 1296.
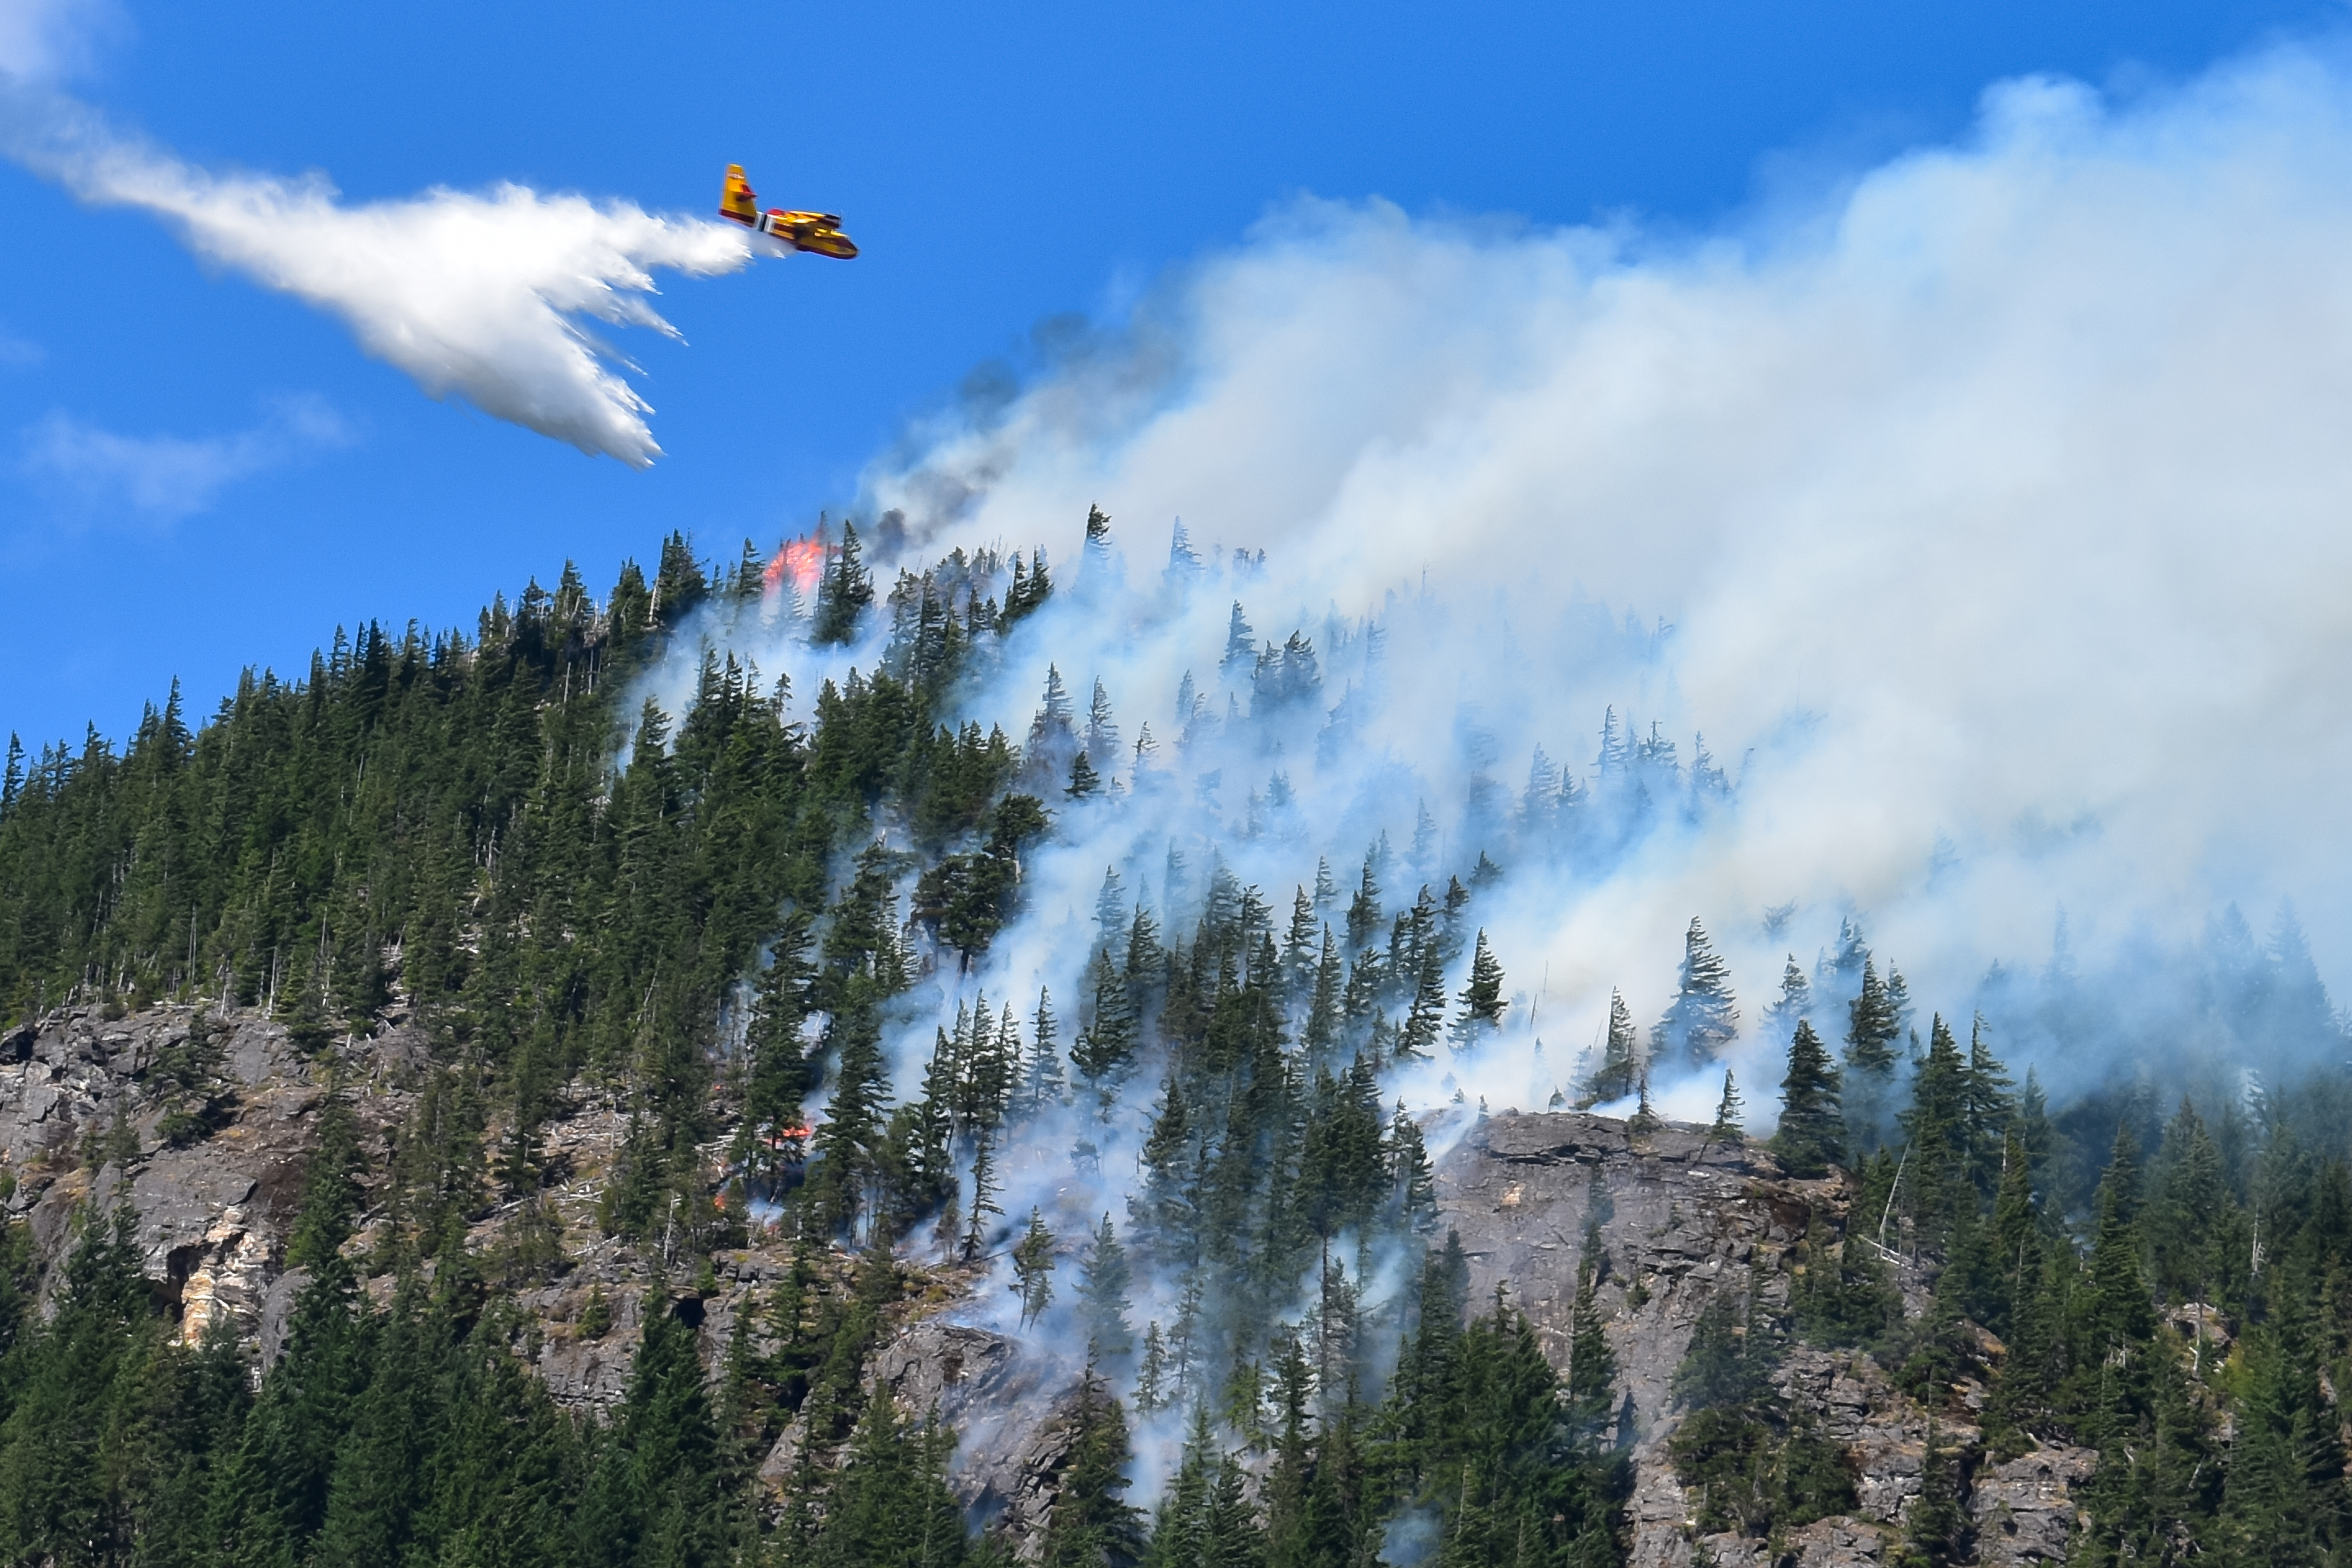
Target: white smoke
column 1997, row 502
column 481, row 296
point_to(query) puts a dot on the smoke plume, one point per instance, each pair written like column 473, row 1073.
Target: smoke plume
column 1995, row 503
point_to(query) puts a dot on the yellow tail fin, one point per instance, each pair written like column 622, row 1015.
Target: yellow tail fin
column 738, row 201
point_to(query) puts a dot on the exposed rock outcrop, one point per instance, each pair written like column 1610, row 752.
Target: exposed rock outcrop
column 80, row 1102
column 87, row 1104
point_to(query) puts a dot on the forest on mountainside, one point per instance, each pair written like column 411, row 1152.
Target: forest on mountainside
column 730, row 933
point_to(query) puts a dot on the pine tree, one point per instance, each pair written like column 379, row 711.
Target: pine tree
column 780, row 1078
column 1812, row 1134
column 1108, row 1043
column 1241, row 643
column 1412, row 1183
column 1091, row 1526
column 984, row 1186
column 1426, row 1012
column 1033, row 1267
column 1299, row 950
column 1592, row 1404
column 1703, row 1018
column 1103, row 1282
column 1423, row 858
column 1725, row 1128
column 852, row 1129
column 1794, row 1003
column 1874, row 1024
column 844, row 594
column 1987, row 1108
column 1321, row 1037
column 1043, row 1085
column 1102, row 729
column 1151, row 1372
column 1482, row 998
column 1620, row 1068
column 1645, row 1121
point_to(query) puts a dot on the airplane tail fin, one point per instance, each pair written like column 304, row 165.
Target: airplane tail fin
column 739, row 202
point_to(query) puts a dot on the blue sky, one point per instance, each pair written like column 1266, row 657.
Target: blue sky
column 197, row 473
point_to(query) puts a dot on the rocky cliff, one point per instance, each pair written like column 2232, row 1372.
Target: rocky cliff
column 203, row 1126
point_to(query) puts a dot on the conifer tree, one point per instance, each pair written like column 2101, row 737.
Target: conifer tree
column 1812, row 1134
column 1418, row 1039
column 1935, row 1140
column 1103, row 1282
column 1645, row 1121
column 1619, row 1068
column 1703, row 1017
column 984, row 1199
column 843, row 594
column 1725, row 1128
column 1321, row 1036
column 1043, row 1084
column 1241, row 642
column 845, row 1143
column 1794, row 1003
column 1986, row 1109
column 1874, row 1023
column 1091, row 1525
column 779, row 1079
column 1412, row 1181
column 1101, row 745
column 1592, row 1405
column 1108, row 1043
column 1299, row 950
column 1151, row 1372
column 1033, row 1267
column 1481, row 999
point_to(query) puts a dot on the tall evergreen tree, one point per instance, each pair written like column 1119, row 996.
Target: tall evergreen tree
column 1874, row 1024
column 1482, row 998
column 1812, row 1134
column 1618, row 1069
column 844, row 594
column 1703, row 1017
column 1103, row 1278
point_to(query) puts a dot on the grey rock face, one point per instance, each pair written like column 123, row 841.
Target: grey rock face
column 209, row 1217
column 1009, row 1407
column 1686, row 1218
column 1690, row 1218
column 2025, row 1511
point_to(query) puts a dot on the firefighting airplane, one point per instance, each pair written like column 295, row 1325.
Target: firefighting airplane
column 817, row 233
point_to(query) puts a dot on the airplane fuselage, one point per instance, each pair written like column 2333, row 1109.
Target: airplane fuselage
column 819, row 234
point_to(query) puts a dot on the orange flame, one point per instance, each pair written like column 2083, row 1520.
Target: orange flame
column 802, row 562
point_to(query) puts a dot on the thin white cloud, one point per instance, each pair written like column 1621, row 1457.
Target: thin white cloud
column 488, row 295
column 17, row 352
column 167, row 477
column 43, row 40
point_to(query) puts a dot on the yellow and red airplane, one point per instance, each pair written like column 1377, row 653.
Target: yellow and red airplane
column 819, row 234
